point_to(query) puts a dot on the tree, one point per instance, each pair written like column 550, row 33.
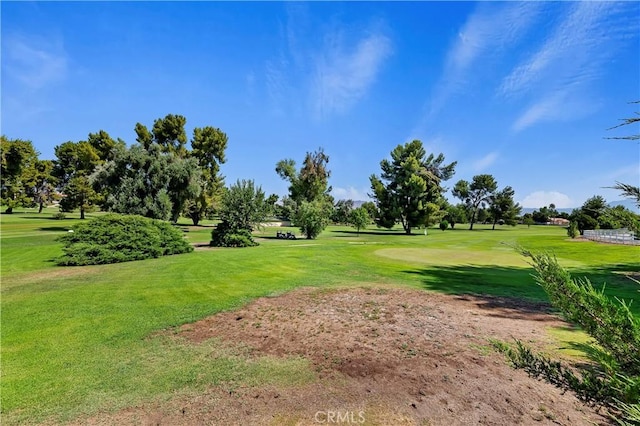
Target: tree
column 243, row 208
column 137, row 182
column 587, row 216
column 41, row 184
column 371, row 208
column 169, row 133
column 359, row 218
column 407, row 184
column 18, row 156
column 75, row 162
column 208, row 145
column 341, row 211
column 78, row 193
column 527, row 219
column 503, row 208
column 476, row 194
column 309, row 191
column 311, row 183
column 312, row 217
column 105, row 146
column 455, row 214
column 243, row 205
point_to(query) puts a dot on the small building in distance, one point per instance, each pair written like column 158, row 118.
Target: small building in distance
column 558, row 221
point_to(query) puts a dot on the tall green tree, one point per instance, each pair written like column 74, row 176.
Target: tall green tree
column 407, row 184
column 475, row 194
column 137, row 182
column 168, row 132
column 309, row 191
column 502, row 207
column 41, row 184
column 18, row 157
column 371, row 209
column 311, row 182
column 312, row 217
column 79, row 194
column 341, row 211
column 207, row 147
column 359, row 218
column 74, row 164
column 455, row 214
column 243, row 208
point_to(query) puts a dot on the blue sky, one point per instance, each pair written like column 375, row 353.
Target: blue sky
column 523, row 91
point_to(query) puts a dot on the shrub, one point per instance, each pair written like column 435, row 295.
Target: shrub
column 444, row 224
column 572, row 230
column 224, row 235
column 117, row 238
column 312, row 218
column 59, row 216
column 616, row 350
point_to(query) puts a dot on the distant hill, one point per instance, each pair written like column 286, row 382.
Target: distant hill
column 630, row 204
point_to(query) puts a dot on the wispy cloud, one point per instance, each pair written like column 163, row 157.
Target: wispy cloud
column 574, row 55
column 34, row 62
column 331, row 69
column 539, row 199
column 488, row 32
column 485, row 162
column 345, row 73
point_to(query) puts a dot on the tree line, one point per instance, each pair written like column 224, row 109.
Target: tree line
column 165, row 175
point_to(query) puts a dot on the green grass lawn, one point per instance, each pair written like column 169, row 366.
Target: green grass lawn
column 79, row 340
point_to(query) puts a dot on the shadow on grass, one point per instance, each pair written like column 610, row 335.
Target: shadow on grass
column 379, row 232
column 46, row 218
column 517, row 287
column 55, row 229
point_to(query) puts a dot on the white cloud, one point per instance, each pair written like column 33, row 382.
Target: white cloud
column 483, row 163
column 489, row 31
column 34, row 62
column 539, row 199
column 559, row 73
column 344, row 73
column 350, row 193
column 329, row 70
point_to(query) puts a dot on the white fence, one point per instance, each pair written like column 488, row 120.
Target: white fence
column 615, row 236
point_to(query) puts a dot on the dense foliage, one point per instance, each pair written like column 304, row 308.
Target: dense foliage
column 309, row 204
column 243, row 208
column 312, row 218
column 409, row 189
column 596, row 214
column 617, row 340
column 116, row 238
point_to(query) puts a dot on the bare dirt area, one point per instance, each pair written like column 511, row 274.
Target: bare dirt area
column 382, row 356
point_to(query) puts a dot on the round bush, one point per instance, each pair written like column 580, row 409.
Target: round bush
column 114, row 238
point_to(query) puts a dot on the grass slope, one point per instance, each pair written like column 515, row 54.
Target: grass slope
column 78, row 340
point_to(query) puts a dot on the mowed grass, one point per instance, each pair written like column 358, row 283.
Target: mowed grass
column 77, row 341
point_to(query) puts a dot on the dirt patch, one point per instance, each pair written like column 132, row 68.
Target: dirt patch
column 382, row 356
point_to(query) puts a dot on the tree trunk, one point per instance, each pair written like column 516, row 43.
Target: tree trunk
column 81, row 212
column 41, row 207
column 407, row 230
column 494, row 225
column 9, row 210
column 473, row 219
